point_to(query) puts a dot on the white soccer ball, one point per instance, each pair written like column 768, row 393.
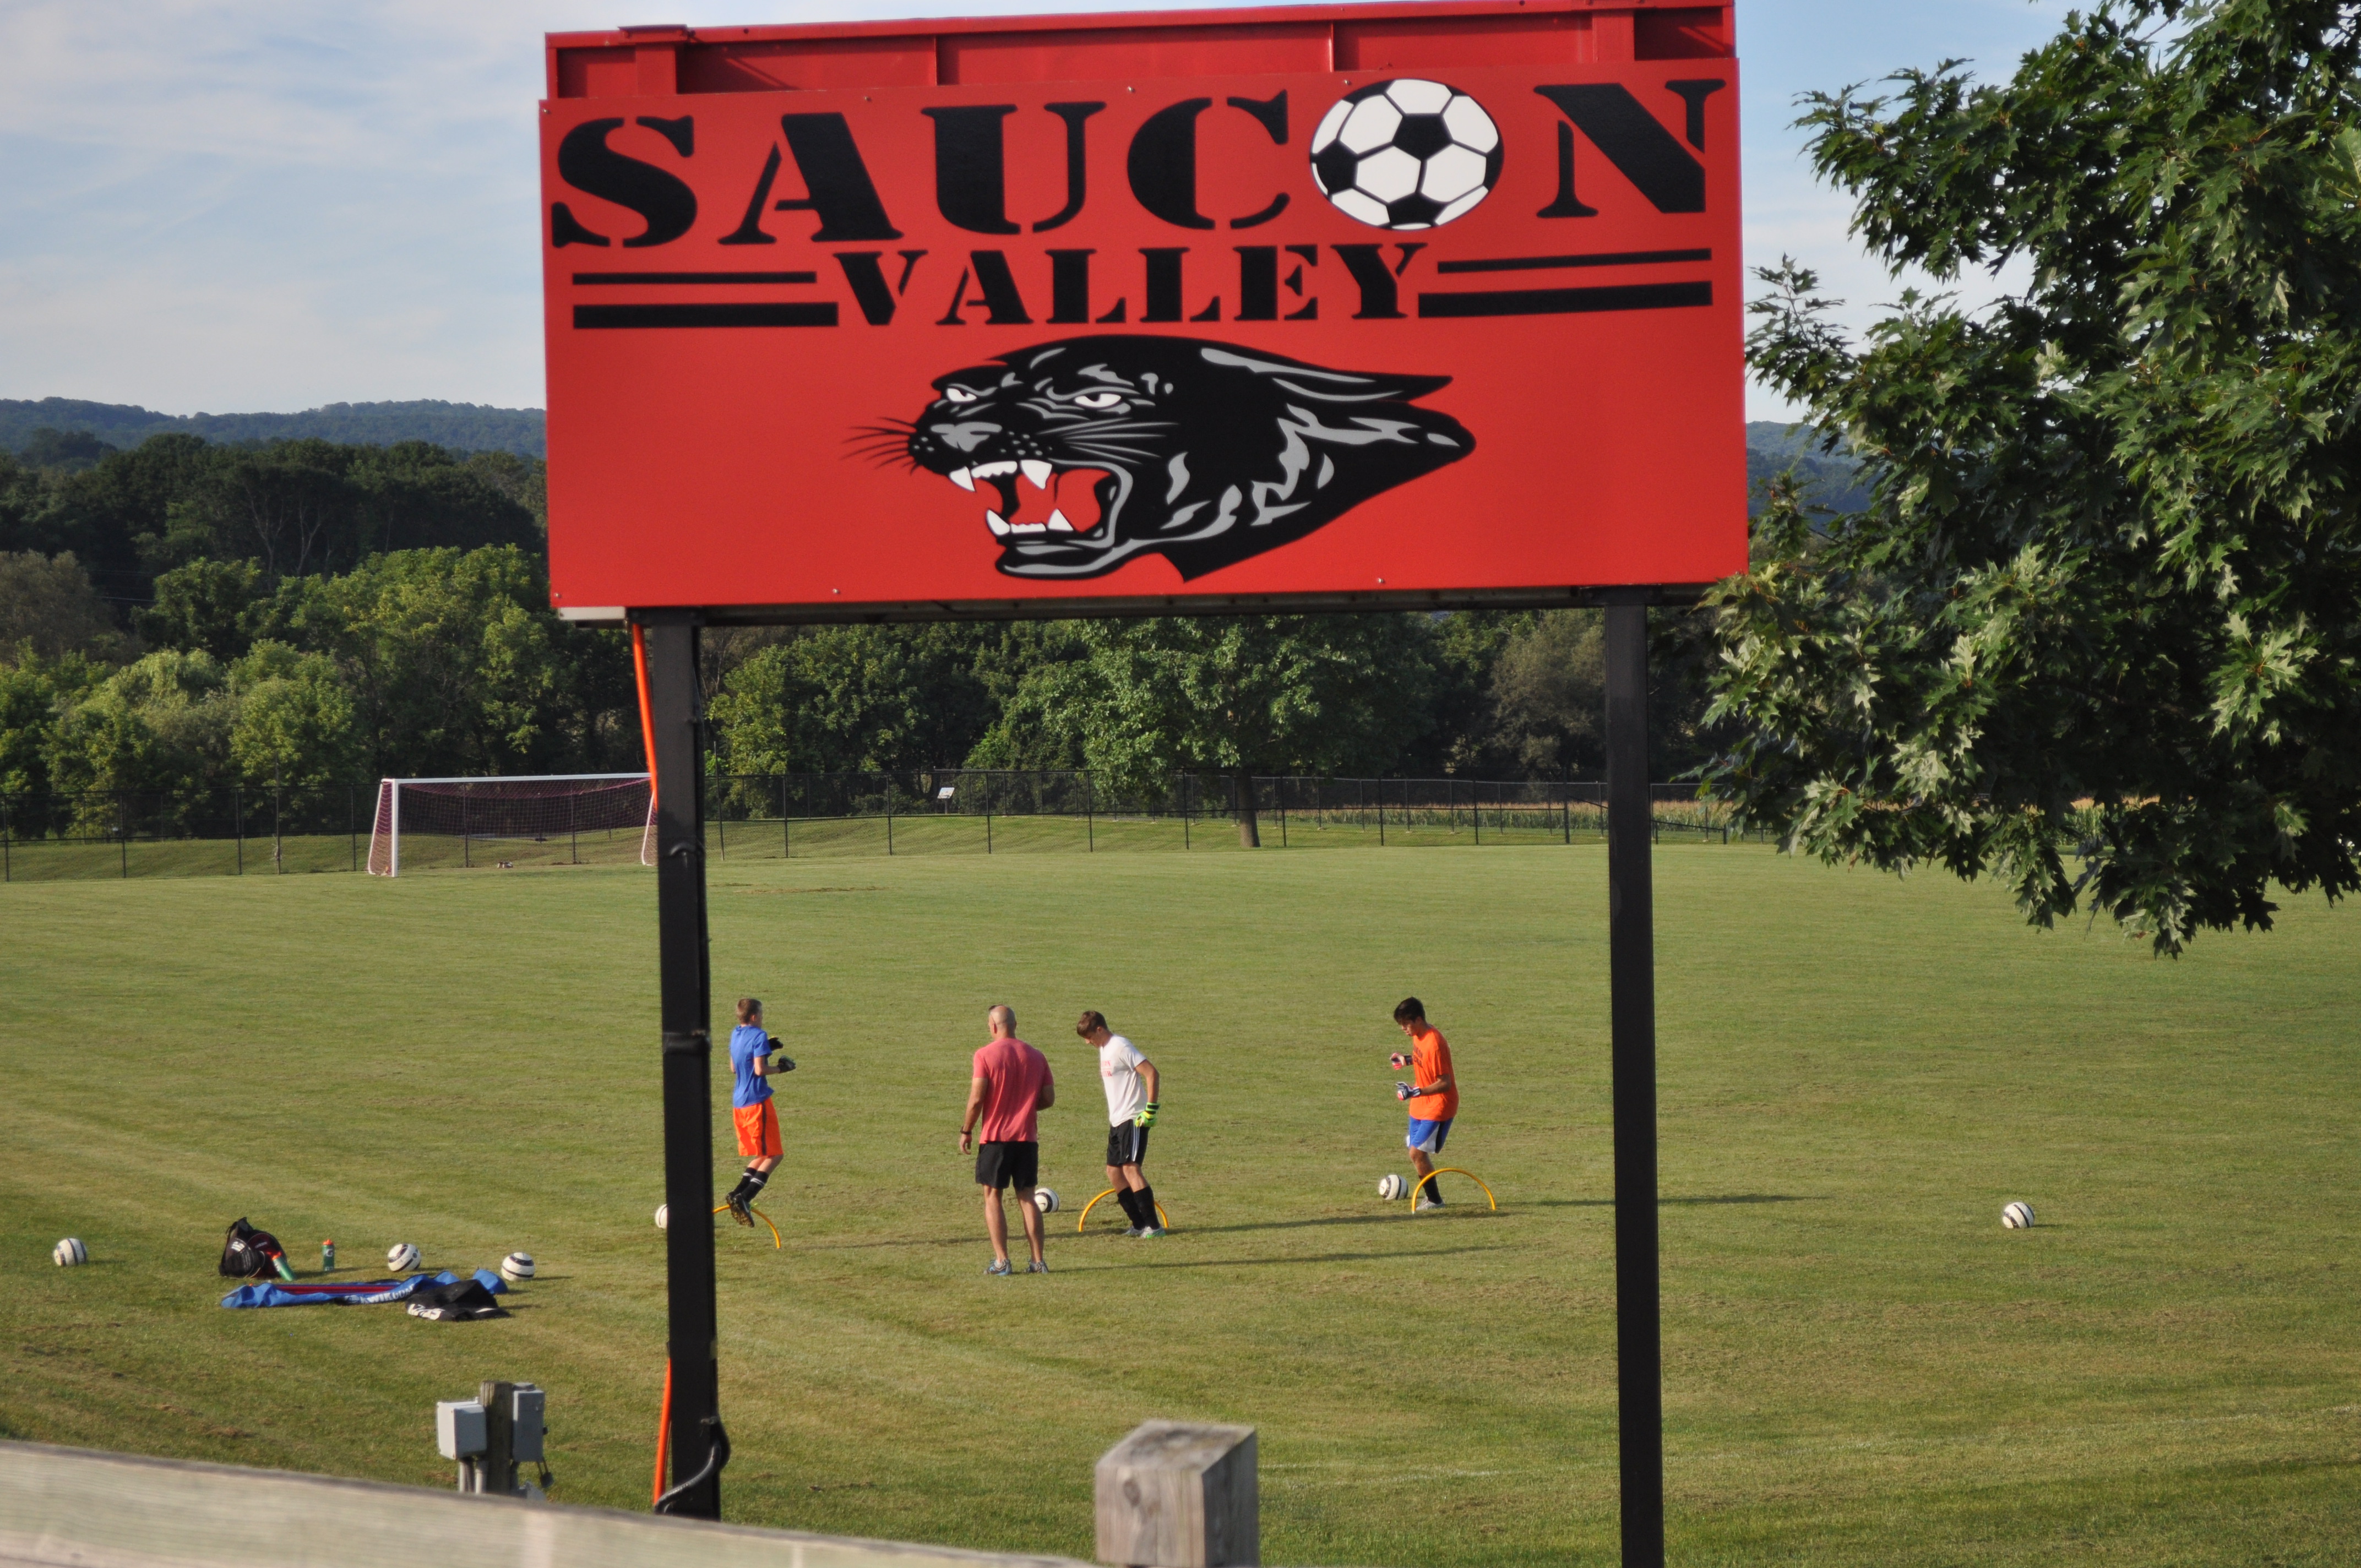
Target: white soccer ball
column 1406, row 154
column 69, row 1252
column 1390, row 1186
column 663, row 1214
column 402, row 1256
column 517, row 1265
column 1046, row 1200
column 2018, row 1216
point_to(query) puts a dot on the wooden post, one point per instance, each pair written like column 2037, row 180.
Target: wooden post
column 1180, row 1495
column 496, row 1467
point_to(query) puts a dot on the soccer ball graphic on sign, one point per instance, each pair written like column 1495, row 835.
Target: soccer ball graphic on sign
column 1406, row 154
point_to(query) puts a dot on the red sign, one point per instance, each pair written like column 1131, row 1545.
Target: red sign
column 1418, row 303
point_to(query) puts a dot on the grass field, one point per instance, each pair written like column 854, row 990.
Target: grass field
column 1862, row 1367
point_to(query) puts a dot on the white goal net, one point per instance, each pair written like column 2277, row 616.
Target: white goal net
column 540, row 820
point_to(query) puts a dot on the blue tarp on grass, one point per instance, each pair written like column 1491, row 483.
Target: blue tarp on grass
column 367, row 1293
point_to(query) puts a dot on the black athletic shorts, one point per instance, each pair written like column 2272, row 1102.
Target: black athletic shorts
column 1126, row 1144
column 1008, row 1165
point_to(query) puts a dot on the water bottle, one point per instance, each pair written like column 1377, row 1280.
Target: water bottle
column 328, row 1257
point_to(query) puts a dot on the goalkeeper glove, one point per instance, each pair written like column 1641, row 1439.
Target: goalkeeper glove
column 1147, row 1118
column 1398, row 1061
column 1401, row 1090
column 781, row 1064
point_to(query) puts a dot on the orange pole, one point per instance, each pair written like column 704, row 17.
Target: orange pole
column 647, row 738
column 663, row 1421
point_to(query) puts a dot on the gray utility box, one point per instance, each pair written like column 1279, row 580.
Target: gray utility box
column 494, row 1432
column 526, row 1432
column 460, row 1427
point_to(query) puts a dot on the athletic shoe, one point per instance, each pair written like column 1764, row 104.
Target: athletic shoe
column 1134, row 1231
column 1426, row 1204
column 996, row 1266
column 737, row 1201
column 1151, row 1231
column 1037, row 1266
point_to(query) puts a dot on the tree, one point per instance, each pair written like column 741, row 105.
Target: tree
column 1549, row 694
column 1469, row 645
column 451, row 659
column 1022, row 670
column 35, row 693
column 161, row 725
column 216, row 606
column 48, row 606
column 2106, row 598
column 855, row 698
column 303, row 506
column 294, row 728
column 294, row 725
column 117, row 515
column 66, row 451
column 1246, row 695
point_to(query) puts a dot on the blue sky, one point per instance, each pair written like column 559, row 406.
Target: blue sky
column 271, row 204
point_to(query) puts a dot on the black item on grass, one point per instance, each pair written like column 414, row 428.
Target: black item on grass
column 462, row 1300
column 249, row 1254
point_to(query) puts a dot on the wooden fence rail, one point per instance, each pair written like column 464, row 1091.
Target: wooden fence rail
column 65, row 1508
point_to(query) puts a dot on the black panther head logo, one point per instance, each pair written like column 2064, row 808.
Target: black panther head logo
column 1089, row 452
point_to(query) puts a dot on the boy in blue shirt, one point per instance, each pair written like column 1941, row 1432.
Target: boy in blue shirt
column 752, row 1061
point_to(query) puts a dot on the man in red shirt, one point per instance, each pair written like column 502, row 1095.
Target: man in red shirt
column 1432, row 1094
column 1012, row 1081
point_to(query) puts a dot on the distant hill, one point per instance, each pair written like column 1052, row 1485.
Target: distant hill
column 1835, row 479
column 462, row 427
column 1832, row 479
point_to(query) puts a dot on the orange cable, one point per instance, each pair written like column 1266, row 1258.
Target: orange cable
column 647, row 735
column 663, row 1421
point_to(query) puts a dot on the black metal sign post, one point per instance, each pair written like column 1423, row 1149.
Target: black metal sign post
column 1632, row 979
column 700, row 1448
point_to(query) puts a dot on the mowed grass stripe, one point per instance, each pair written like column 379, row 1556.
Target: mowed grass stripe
column 1855, row 1073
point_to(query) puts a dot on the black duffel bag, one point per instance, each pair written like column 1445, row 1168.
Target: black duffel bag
column 249, row 1254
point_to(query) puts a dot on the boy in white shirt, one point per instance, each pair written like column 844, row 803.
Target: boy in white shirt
column 1131, row 1082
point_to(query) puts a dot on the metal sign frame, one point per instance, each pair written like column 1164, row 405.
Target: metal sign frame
column 598, row 579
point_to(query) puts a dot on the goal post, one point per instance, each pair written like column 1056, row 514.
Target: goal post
column 504, row 820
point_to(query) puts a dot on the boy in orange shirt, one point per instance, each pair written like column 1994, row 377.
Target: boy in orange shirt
column 1432, row 1094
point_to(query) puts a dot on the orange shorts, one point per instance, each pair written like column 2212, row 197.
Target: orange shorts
column 758, row 1130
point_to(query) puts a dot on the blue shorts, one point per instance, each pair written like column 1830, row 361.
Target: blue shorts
column 1427, row 1136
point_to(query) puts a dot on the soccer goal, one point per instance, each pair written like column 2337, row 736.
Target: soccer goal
column 539, row 820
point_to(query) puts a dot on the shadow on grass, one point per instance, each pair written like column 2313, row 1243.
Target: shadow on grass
column 963, row 1239
column 1289, row 1225
column 1457, row 1210
column 1308, row 1258
column 1670, row 1202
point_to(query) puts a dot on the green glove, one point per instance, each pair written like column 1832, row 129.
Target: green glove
column 1147, row 1118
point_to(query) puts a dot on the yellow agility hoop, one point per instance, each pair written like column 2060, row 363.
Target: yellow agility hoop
column 1453, row 1170
column 776, row 1244
column 1161, row 1218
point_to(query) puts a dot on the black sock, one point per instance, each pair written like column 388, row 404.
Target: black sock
column 754, row 1180
column 1130, row 1201
column 1145, row 1197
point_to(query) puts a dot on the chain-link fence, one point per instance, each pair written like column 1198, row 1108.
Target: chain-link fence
column 223, row 832
column 798, row 815
column 979, row 811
